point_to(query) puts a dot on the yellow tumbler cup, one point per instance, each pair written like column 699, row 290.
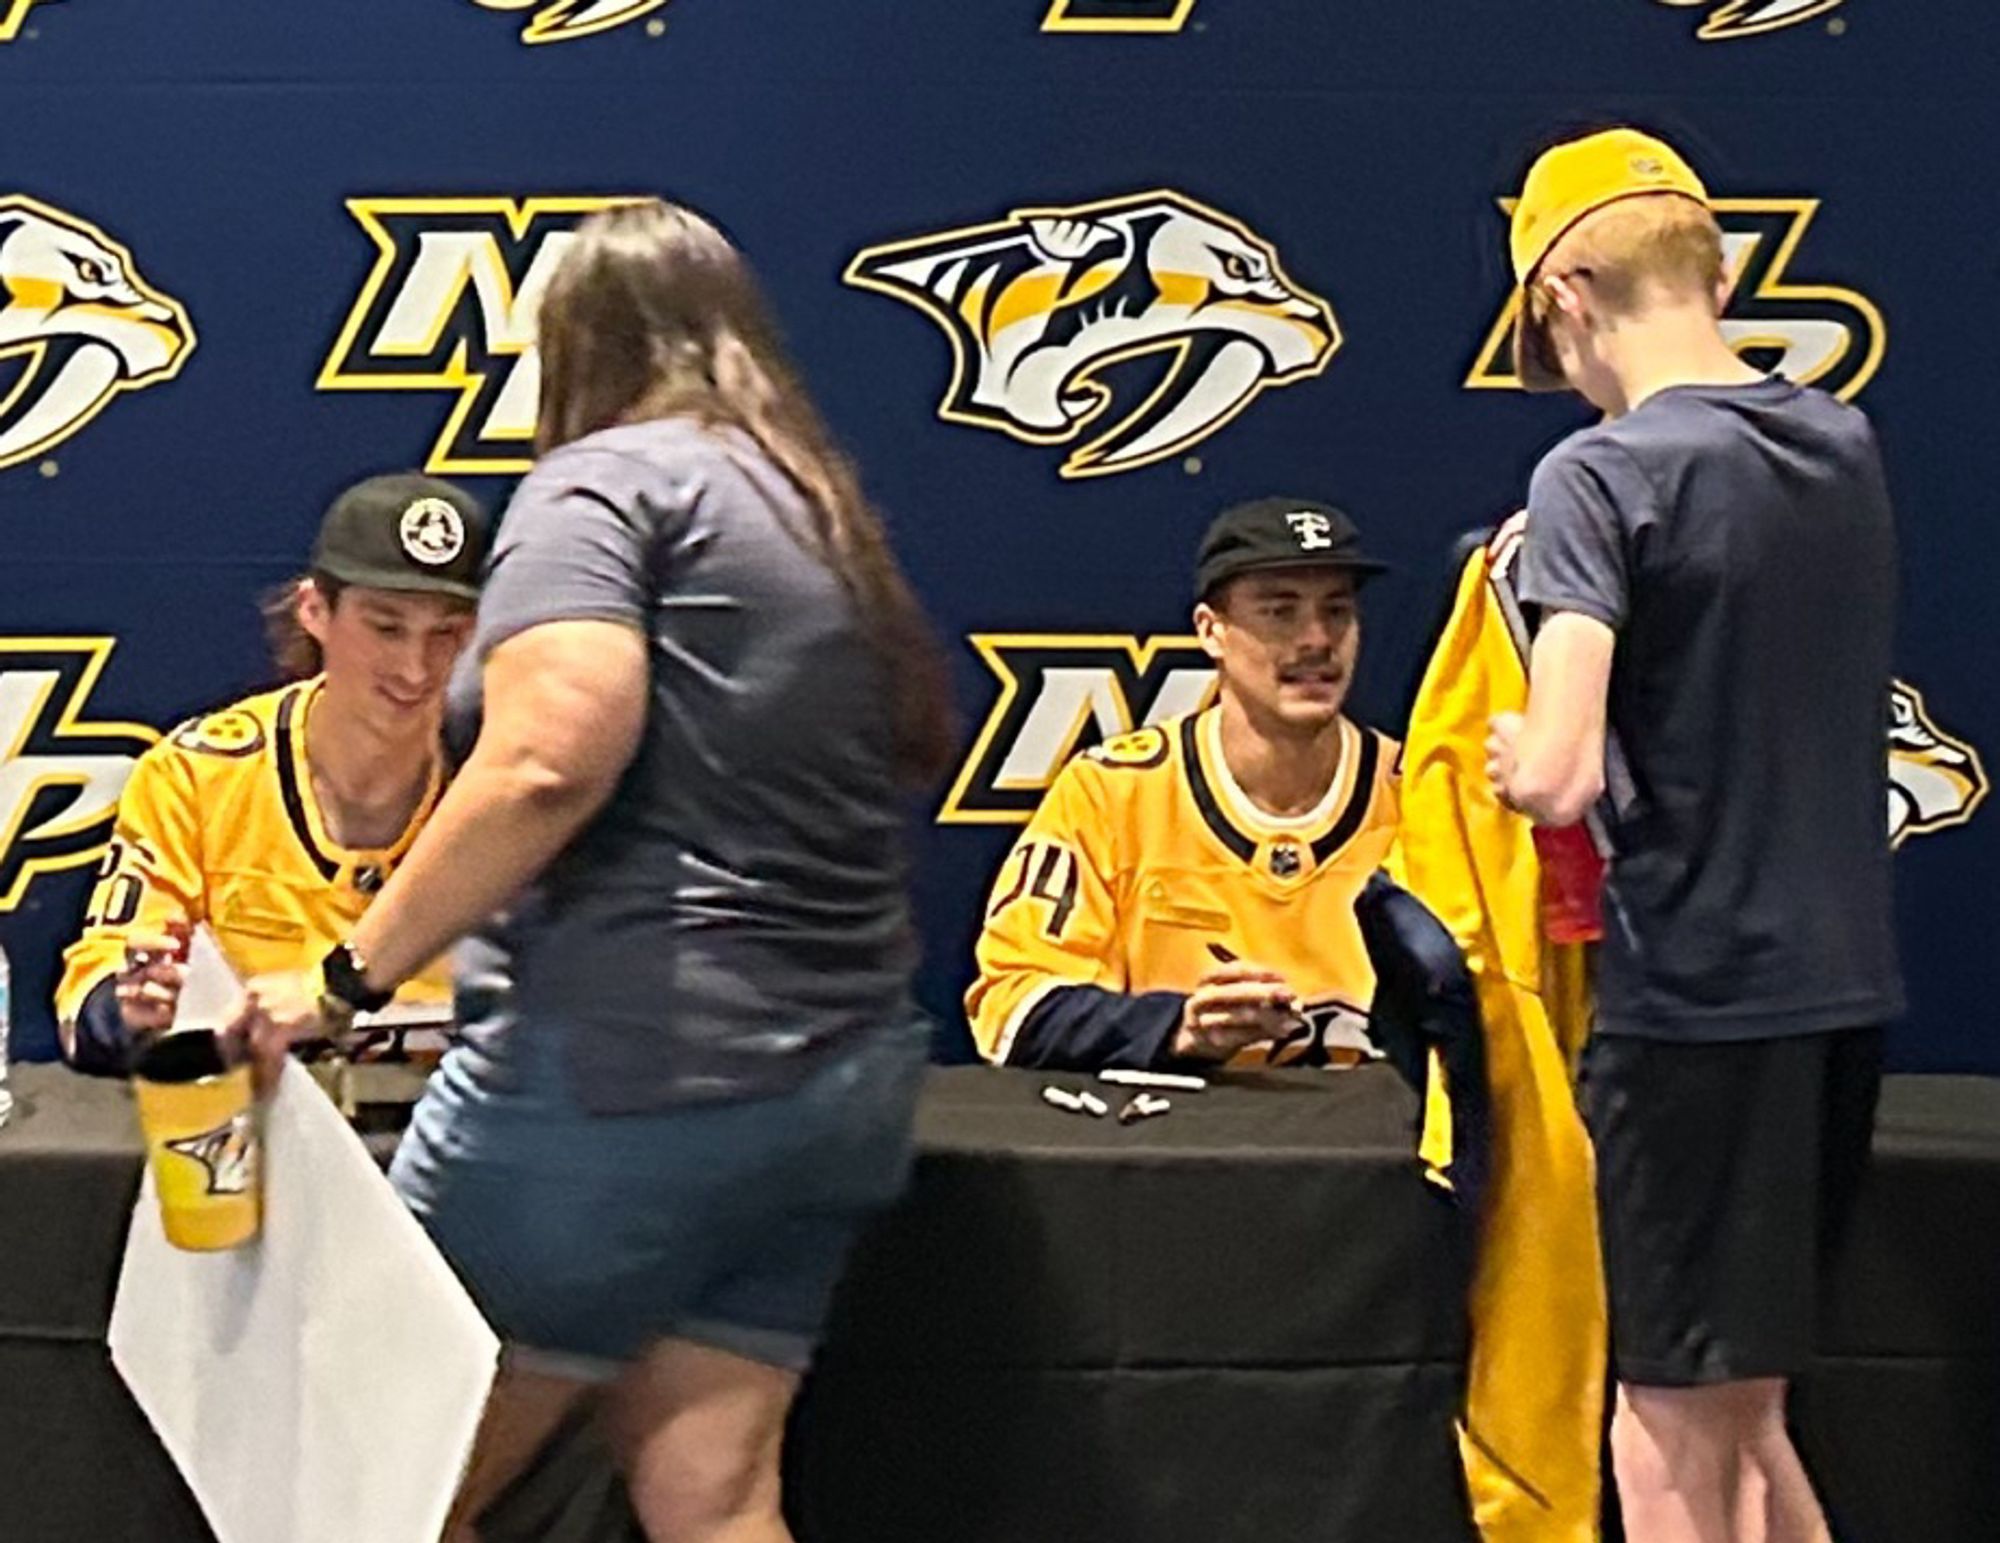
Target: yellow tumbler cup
column 199, row 1116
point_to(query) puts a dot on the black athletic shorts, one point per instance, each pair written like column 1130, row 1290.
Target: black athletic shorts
column 1725, row 1176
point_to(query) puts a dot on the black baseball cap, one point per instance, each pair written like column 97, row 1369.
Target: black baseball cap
column 406, row 532
column 1280, row 533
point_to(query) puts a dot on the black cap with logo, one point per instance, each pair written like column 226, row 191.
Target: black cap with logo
column 1280, row 533
column 407, row 532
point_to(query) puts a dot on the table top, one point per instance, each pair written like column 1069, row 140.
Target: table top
column 1364, row 1113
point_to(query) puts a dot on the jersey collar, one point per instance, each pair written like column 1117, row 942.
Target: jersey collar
column 368, row 866
column 1243, row 829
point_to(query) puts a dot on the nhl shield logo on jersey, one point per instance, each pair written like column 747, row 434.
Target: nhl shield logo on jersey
column 1752, row 18
column 561, row 21
column 449, row 306
column 78, row 327
column 1817, row 334
column 1046, row 308
column 1935, row 781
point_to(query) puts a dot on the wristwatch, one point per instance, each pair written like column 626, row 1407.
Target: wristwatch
column 344, row 978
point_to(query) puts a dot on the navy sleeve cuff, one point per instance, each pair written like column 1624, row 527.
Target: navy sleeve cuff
column 101, row 1048
column 1087, row 1028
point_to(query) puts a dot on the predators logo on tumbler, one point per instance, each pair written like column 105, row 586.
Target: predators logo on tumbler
column 1046, row 309
column 60, row 776
column 560, row 21
column 1752, row 18
column 450, row 307
column 78, row 327
column 1820, row 335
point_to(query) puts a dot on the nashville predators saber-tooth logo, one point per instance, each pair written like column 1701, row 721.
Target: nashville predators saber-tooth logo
column 228, row 1154
column 450, row 306
column 1817, row 334
column 1117, row 15
column 77, row 327
column 60, row 777
column 1751, row 18
column 1059, row 694
column 558, row 21
column 1935, row 781
column 1041, row 306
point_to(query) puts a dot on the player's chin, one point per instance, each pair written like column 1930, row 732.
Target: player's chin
column 1311, row 704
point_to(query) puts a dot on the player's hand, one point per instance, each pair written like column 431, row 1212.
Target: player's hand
column 149, row 986
column 1235, row 1005
column 283, row 1010
column 250, row 1036
column 1503, row 739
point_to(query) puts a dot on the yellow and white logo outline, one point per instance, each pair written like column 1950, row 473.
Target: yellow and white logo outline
column 563, row 21
column 354, row 363
column 981, row 776
column 1936, row 780
column 13, row 17
column 1149, row 16
column 72, row 666
column 1753, row 18
column 1845, row 374
column 124, row 334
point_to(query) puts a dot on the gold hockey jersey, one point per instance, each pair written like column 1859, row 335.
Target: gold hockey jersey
column 219, row 824
column 1146, row 867
column 1534, row 1401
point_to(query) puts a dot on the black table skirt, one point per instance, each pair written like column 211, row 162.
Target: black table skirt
column 1241, row 1321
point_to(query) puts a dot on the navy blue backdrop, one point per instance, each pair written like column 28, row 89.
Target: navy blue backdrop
column 250, row 252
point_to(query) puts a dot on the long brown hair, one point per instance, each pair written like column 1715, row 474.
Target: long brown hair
column 295, row 650
column 652, row 314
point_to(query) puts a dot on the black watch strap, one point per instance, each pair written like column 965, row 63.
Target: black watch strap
column 345, row 978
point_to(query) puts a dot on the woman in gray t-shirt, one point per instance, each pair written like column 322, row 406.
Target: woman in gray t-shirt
column 700, row 687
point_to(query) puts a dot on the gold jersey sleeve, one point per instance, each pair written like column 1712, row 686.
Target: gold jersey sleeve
column 1052, row 917
column 150, row 876
column 219, row 824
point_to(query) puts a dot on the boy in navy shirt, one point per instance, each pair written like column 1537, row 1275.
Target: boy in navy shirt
column 1714, row 565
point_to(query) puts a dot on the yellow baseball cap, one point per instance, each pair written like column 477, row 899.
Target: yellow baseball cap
column 1566, row 184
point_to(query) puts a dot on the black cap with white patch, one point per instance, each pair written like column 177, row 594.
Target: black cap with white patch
column 1280, row 533
column 405, row 532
